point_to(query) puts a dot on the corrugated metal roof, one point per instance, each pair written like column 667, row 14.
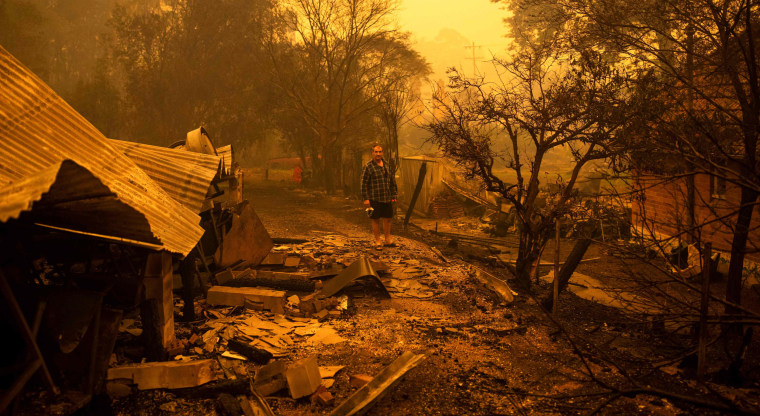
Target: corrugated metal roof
column 225, row 152
column 69, row 196
column 38, row 130
column 185, row 176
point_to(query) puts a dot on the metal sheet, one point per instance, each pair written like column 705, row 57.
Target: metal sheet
column 185, row 176
column 225, row 152
column 358, row 402
column 358, row 269
column 246, row 240
column 67, row 196
column 199, row 141
column 38, row 130
column 497, row 285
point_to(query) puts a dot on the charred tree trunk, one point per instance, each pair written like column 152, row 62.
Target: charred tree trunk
column 690, row 209
column 531, row 243
column 331, row 165
column 575, row 257
column 393, row 155
column 416, row 194
column 738, row 249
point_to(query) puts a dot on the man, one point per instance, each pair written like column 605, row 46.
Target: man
column 379, row 192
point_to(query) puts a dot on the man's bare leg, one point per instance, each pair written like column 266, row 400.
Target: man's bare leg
column 376, row 231
column 387, row 230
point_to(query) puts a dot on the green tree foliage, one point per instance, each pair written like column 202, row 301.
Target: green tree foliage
column 98, row 99
column 195, row 63
column 24, row 33
column 64, row 42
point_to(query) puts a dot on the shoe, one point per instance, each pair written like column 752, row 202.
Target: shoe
column 390, row 245
column 379, row 247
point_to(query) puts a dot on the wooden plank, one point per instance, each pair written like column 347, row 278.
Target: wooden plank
column 166, row 374
column 236, row 296
column 366, row 396
column 159, row 285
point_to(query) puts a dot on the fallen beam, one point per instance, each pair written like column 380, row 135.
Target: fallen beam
column 236, row 296
column 213, row 389
column 257, row 355
column 370, row 392
column 475, row 240
column 166, row 374
column 277, row 280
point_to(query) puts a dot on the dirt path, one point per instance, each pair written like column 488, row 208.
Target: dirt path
column 483, row 357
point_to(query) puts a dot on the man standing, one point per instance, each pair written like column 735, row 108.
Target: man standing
column 379, row 193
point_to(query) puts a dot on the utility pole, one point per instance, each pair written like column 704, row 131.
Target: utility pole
column 474, row 58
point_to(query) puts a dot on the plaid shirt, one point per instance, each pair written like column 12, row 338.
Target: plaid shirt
column 377, row 183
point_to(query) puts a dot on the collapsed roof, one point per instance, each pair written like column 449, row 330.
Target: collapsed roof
column 58, row 170
column 184, row 175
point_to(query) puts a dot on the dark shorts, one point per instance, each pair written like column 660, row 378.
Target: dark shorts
column 381, row 209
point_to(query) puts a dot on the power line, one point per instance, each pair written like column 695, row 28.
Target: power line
column 474, row 58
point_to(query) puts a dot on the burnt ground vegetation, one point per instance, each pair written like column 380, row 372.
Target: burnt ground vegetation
column 484, row 356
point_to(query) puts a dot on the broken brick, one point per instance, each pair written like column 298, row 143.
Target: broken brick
column 359, row 380
column 117, row 390
column 322, row 397
column 270, row 387
column 177, row 347
column 292, row 261
column 321, row 315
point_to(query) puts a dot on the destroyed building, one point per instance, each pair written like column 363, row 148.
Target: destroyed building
column 93, row 228
column 97, row 234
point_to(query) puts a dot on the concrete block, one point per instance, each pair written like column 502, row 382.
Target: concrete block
column 303, row 377
column 270, row 378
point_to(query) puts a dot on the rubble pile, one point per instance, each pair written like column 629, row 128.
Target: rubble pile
column 259, row 321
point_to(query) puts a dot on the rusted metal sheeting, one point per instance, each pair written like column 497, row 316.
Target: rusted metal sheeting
column 225, row 152
column 71, row 198
column 185, row 176
column 38, row 130
column 358, row 269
